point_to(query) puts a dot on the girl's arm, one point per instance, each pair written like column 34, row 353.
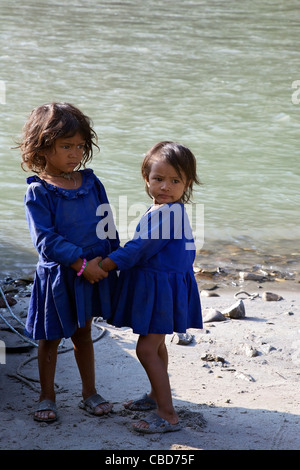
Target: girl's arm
column 48, row 243
column 153, row 233
column 114, row 240
column 108, row 265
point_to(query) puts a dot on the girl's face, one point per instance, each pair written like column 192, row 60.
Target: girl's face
column 66, row 154
column 165, row 186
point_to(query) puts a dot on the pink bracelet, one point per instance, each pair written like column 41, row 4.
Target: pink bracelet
column 84, row 263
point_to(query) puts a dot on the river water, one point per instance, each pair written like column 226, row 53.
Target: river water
column 221, row 77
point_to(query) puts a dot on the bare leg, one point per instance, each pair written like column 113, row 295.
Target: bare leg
column 84, row 355
column 163, row 355
column 47, row 357
column 152, row 353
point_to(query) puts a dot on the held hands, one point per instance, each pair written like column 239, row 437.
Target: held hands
column 91, row 269
column 92, row 272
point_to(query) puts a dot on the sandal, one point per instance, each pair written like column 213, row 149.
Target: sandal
column 156, row 424
column 46, row 405
column 91, row 403
column 145, row 403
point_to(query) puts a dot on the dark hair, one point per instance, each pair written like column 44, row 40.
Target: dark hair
column 49, row 122
column 180, row 157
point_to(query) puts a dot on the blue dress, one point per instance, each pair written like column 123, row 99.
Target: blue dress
column 63, row 225
column 157, row 291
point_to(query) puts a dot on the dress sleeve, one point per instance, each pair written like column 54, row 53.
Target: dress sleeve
column 153, row 232
column 114, row 240
column 40, row 217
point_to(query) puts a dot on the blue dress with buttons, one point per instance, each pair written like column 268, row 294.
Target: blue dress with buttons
column 63, row 226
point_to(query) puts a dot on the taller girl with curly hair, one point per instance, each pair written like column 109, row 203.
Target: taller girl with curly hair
column 61, row 208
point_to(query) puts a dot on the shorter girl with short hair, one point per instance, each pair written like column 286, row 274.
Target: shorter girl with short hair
column 61, row 205
column 157, row 292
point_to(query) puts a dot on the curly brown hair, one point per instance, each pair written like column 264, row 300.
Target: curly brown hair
column 49, row 122
column 177, row 155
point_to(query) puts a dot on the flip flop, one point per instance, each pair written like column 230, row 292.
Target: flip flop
column 46, row 405
column 91, row 403
column 145, row 403
column 156, row 424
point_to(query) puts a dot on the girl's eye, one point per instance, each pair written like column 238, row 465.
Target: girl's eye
column 67, row 147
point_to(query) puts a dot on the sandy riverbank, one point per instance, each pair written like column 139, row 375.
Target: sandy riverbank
column 247, row 399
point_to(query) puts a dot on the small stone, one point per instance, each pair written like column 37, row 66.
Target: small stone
column 211, row 315
column 271, row 297
column 208, row 293
column 250, row 351
column 21, row 282
column 182, row 338
column 212, row 358
column 246, row 349
column 267, row 348
column 245, row 276
column 9, row 299
column 236, row 310
column 247, row 377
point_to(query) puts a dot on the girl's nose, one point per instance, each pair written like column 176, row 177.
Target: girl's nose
column 165, row 186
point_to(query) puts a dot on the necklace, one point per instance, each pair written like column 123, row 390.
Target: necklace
column 67, row 176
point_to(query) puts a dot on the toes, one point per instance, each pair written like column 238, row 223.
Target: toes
column 103, row 409
column 141, row 425
column 99, row 410
column 44, row 415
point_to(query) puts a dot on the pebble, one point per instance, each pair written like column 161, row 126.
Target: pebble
column 208, row 293
column 235, row 311
column 212, row 358
column 211, row 315
column 270, row 296
column 267, row 348
column 182, row 338
column 9, row 299
column 246, row 276
column 250, row 351
column 247, row 377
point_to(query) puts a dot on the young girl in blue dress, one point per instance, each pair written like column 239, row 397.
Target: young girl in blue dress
column 61, row 204
column 157, row 292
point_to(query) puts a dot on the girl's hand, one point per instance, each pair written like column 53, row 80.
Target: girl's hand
column 93, row 273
